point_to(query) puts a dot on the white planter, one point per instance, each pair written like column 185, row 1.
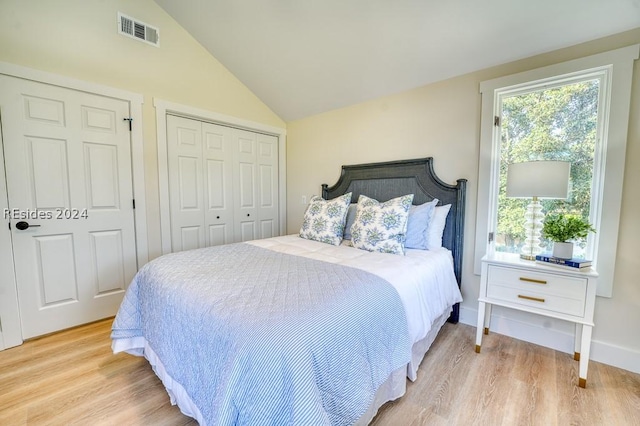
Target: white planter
column 563, row 250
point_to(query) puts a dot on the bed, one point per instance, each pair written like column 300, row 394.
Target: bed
column 289, row 330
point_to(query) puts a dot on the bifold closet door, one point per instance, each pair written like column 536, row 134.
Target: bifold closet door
column 200, row 183
column 186, row 183
column 255, row 185
column 245, row 186
column 223, row 184
column 218, row 184
column 267, row 169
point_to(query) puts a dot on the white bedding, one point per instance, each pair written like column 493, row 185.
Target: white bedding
column 424, row 279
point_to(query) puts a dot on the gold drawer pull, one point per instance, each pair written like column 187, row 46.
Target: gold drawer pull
column 535, row 299
column 531, row 280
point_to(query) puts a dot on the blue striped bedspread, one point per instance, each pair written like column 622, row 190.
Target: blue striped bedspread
column 258, row 337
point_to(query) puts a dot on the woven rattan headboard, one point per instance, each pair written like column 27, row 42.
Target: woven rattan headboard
column 384, row 181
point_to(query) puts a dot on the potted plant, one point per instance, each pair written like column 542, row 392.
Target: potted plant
column 563, row 229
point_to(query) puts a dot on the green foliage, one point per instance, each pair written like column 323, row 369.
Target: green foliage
column 565, row 227
column 557, row 123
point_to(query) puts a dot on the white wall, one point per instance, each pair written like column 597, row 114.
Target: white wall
column 79, row 39
column 442, row 120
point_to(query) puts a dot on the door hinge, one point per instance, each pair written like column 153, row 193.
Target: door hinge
column 129, row 119
column 496, row 121
column 490, row 237
column 134, row 203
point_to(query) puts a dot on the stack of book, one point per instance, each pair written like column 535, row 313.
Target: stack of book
column 548, row 259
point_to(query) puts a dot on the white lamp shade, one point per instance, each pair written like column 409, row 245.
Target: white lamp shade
column 541, row 179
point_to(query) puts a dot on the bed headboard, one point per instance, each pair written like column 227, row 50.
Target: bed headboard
column 384, row 181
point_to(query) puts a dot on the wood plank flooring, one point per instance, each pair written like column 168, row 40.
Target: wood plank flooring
column 72, row 378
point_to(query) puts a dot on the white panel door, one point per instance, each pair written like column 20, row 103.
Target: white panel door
column 218, row 182
column 223, row 184
column 9, row 313
column 245, row 186
column 184, row 140
column 267, row 185
column 68, row 166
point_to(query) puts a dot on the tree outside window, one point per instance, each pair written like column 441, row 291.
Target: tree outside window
column 552, row 123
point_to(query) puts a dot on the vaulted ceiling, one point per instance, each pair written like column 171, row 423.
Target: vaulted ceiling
column 304, row 57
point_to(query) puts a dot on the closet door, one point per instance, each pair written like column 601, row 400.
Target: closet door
column 267, row 169
column 186, row 183
column 217, row 146
column 255, row 185
column 223, row 184
column 245, row 186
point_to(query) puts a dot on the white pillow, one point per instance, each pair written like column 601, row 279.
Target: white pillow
column 324, row 219
column 379, row 226
column 436, row 227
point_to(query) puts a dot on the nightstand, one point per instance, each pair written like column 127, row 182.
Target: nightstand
column 552, row 291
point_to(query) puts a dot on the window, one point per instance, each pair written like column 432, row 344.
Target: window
column 556, row 121
column 576, row 111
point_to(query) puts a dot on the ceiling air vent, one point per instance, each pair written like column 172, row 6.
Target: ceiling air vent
column 134, row 28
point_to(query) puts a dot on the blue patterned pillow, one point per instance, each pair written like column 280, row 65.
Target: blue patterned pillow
column 324, row 219
column 381, row 226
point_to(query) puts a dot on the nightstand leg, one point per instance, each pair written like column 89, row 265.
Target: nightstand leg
column 480, row 326
column 487, row 318
column 584, row 355
column 577, row 342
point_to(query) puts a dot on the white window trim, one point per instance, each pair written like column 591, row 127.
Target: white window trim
column 620, row 62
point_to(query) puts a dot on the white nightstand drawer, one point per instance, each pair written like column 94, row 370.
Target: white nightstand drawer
column 522, row 280
column 536, row 299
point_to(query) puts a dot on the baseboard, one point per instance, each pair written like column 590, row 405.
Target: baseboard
column 553, row 334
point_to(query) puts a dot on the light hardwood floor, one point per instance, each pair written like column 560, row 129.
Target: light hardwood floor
column 73, row 378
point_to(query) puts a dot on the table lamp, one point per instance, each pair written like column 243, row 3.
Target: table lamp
column 536, row 180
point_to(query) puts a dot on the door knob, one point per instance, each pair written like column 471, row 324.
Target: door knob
column 24, row 225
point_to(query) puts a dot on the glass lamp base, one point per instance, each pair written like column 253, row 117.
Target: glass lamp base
column 533, row 230
column 528, row 256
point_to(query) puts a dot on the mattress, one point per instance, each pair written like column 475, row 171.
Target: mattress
column 392, row 325
column 424, row 279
